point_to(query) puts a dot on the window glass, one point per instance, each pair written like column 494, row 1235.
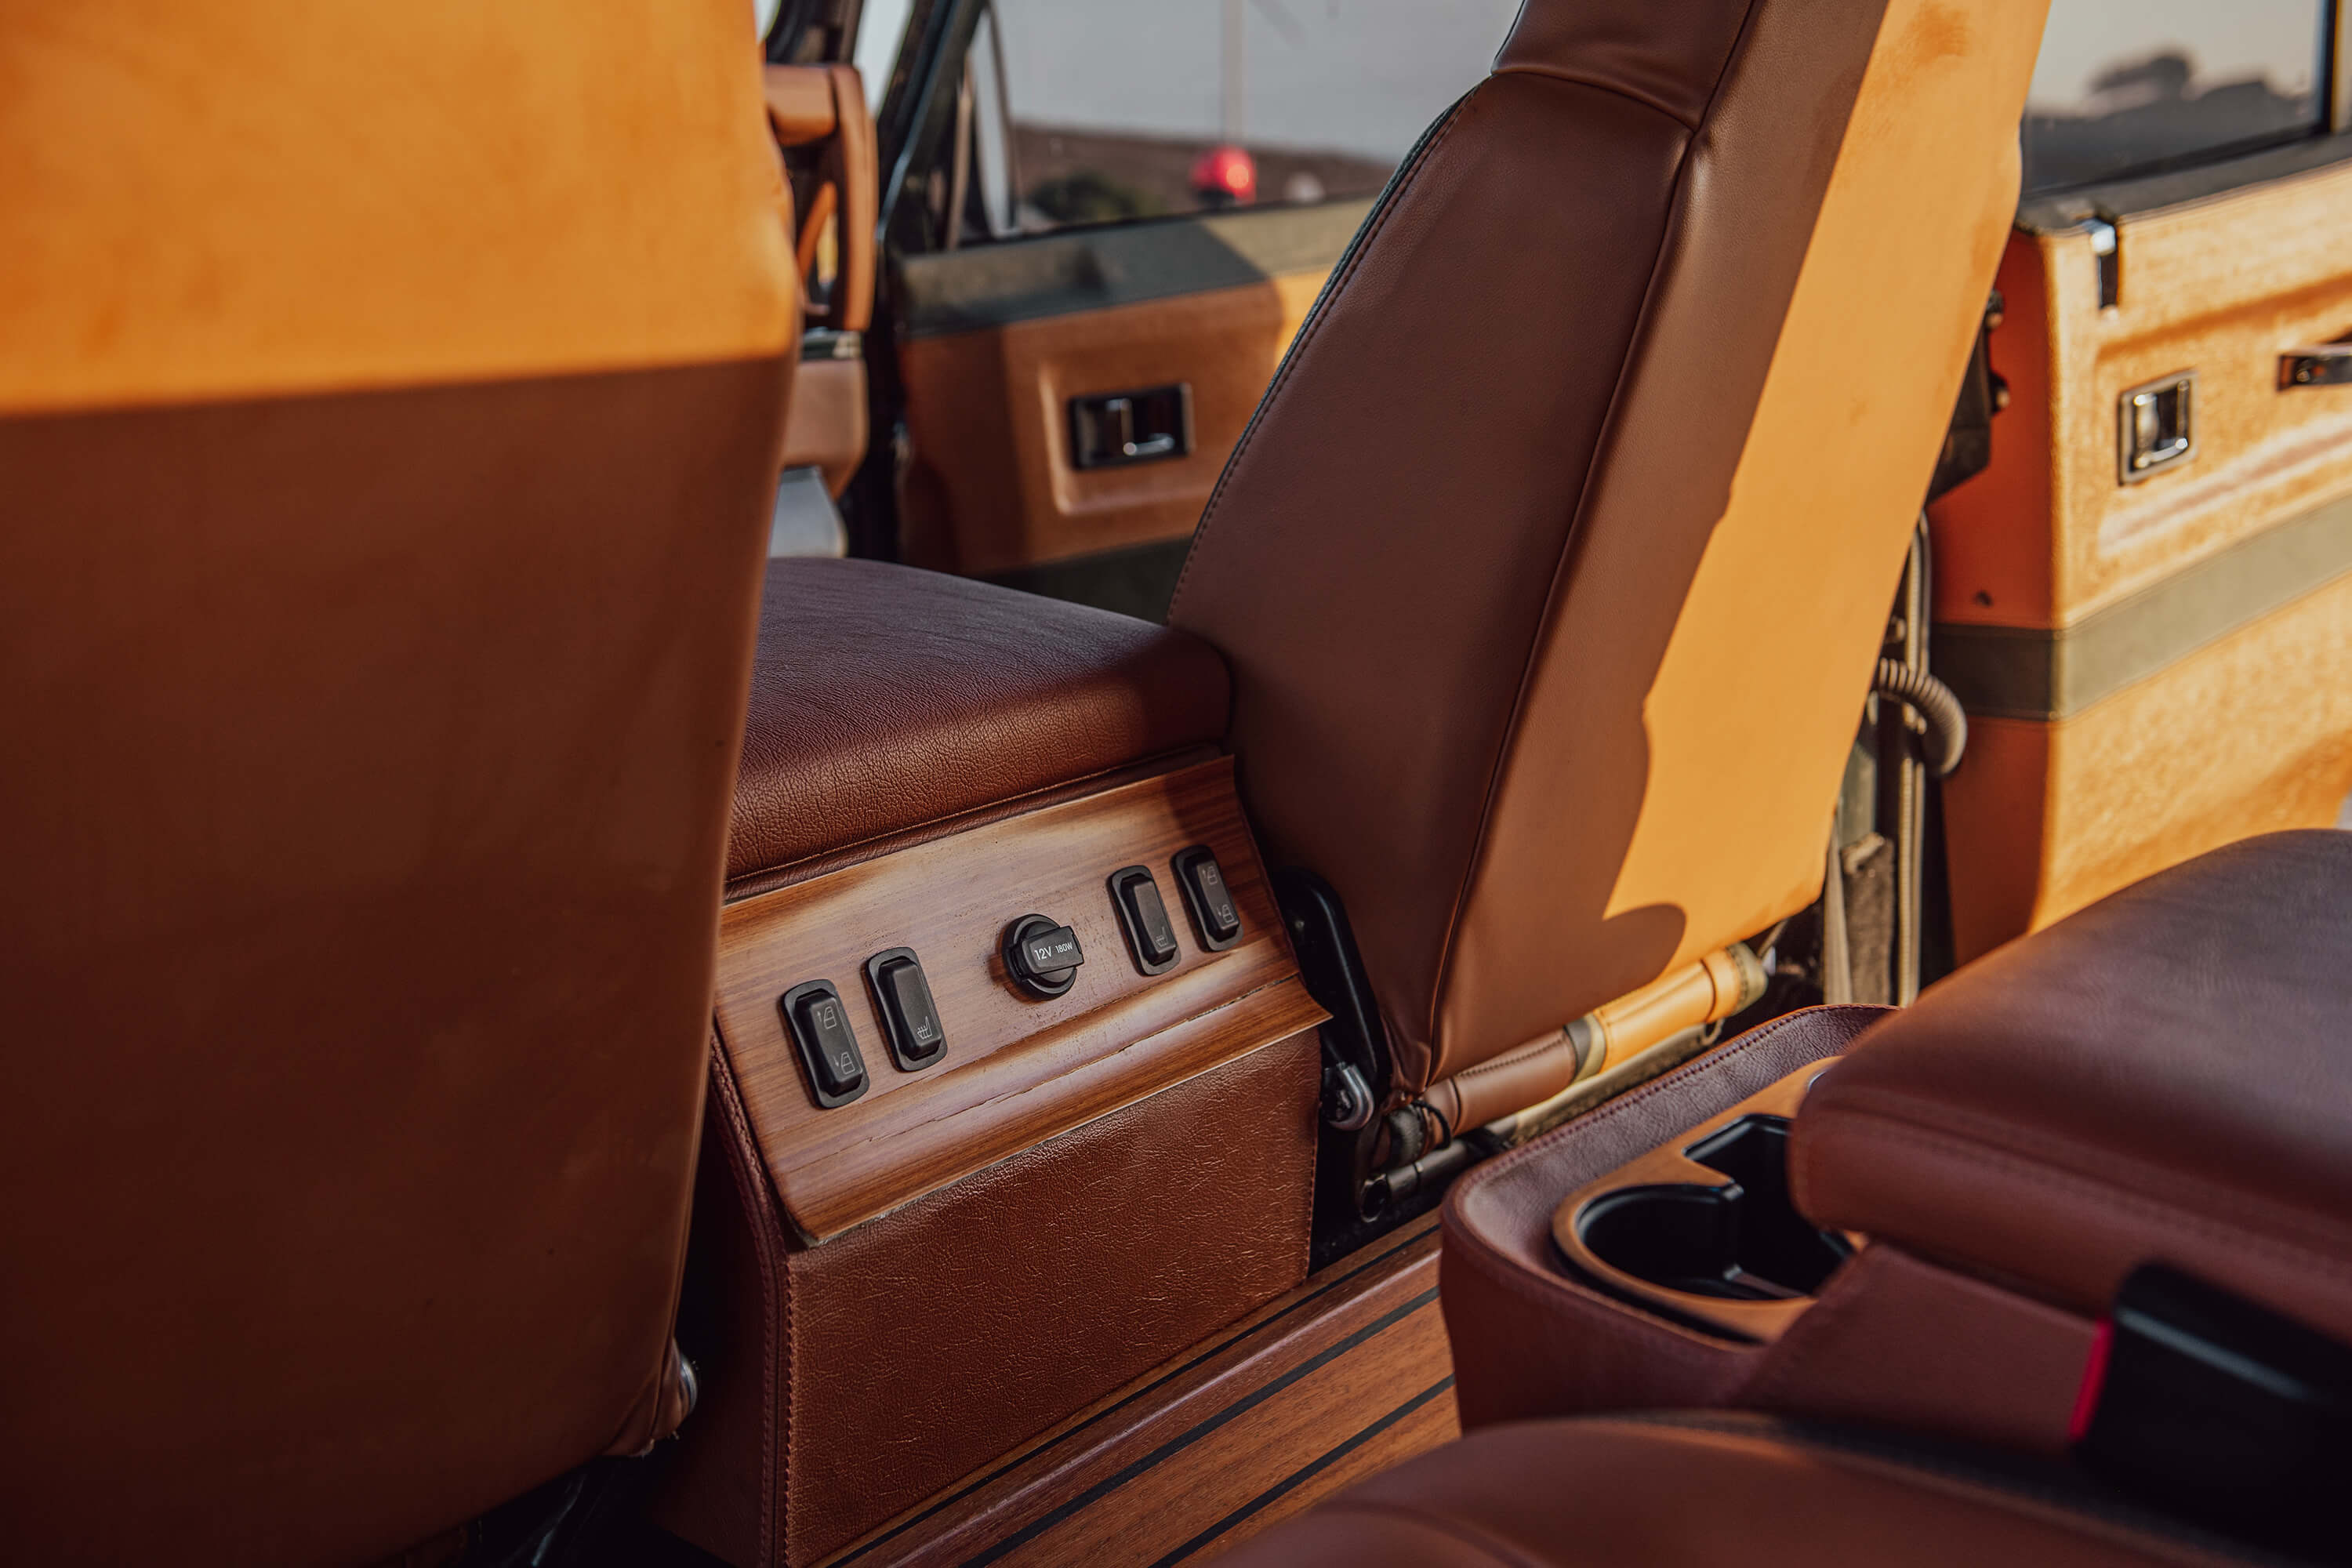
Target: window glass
column 1118, row 109
column 2122, row 85
column 880, row 25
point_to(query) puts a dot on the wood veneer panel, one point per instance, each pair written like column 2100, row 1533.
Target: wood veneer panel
column 1342, row 1377
column 1017, row 1071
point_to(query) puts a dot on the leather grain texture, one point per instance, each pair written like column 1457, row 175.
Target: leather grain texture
column 896, row 1358
column 884, row 698
column 1529, row 1341
column 2161, row 1076
column 1689, row 290
column 365, row 848
column 1706, row 1491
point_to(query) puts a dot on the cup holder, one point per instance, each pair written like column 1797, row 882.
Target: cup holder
column 1703, row 1231
column 1743, row 1241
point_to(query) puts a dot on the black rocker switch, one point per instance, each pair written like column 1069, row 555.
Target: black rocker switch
column 903, row 997
column 1142, row 914
column 1214, row 916
column 1042, row 955
column 828, row 1046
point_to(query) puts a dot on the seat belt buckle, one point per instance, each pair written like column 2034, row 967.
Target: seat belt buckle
column 2204, row 1404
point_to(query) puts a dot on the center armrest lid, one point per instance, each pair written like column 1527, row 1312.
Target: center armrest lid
column 2165, row 1075
column 884, row 698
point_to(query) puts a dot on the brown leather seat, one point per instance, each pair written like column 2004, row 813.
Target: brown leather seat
column 2163, row 1075
column 887, row 700
column 390, row 403
column 1668, row 1492
column 1553, row 569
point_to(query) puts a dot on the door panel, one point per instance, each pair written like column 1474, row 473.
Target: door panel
column 996, row 343
column 1090, row 198
column 2153, row 668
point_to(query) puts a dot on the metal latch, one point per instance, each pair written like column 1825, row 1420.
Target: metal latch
column 2319, row 364
column 1108, row 430
column 2156, row 426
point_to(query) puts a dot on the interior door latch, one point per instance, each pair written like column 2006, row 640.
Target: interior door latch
column 2156, row 426
column 1108, row 430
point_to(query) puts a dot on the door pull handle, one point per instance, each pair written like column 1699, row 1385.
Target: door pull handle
column 2315, row 365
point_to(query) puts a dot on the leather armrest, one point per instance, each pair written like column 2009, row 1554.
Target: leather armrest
column 2165, row 1074
column 886, row 698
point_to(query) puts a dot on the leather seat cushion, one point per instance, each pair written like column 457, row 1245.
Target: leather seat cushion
column 2161, row 1076
column 1662, row 1490
column 885, row 698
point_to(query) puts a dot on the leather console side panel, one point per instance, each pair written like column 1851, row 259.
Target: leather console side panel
column 1567, row 709
column 851, row 1380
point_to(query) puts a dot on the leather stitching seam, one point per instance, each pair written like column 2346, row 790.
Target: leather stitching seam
column 1554, row 73
column 1966, row 1152
column 1391, row 200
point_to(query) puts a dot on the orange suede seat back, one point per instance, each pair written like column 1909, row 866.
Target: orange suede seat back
column 388, row 400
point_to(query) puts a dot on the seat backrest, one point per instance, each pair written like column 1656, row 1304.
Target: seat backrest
column 390, row 401
column 1553, row 568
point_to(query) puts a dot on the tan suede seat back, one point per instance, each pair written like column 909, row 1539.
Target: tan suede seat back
column 389, row 399
column 1553, row 569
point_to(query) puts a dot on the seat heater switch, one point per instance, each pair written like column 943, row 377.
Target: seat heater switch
column 819, row 1026
column 1143, row 915
column 903, row 996
column 1215, row 919
column 1042, row 955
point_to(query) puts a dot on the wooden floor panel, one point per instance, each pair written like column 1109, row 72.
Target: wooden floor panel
column 1344, row 1376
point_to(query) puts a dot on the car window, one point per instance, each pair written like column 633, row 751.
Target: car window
column 2123, row 86
column 1095, row 110
column 881, row 24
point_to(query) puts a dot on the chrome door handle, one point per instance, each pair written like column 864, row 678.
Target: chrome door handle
column 2315, row 365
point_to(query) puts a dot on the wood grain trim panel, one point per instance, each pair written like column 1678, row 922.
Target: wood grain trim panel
column 1347, row 1374
column 1017, row 1071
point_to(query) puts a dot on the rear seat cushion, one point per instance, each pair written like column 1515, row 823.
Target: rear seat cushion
column 1713, row 1490
column 2165, row 1076
column 884, row 698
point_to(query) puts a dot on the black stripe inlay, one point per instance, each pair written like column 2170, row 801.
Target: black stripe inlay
column 1154, row 1386
column 1300, row 1477
column 1177, row 1445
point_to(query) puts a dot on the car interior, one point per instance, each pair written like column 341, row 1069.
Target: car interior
column 737, row 839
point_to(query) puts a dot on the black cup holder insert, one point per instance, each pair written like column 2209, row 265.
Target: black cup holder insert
column 1743, row 1241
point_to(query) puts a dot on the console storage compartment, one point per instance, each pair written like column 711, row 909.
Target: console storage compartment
column 891, row 1292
